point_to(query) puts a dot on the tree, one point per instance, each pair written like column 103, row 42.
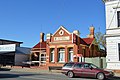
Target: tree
column 100, row 40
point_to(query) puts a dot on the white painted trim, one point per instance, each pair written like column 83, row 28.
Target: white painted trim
column 72, row 37
column 111, row 35
column 63, row 29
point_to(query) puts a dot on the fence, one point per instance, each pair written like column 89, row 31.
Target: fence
column 98, row 61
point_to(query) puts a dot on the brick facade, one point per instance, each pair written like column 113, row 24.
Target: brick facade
column 63, row 46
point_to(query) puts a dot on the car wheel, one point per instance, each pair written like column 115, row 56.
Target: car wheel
column 100, row 76
column 70, row 74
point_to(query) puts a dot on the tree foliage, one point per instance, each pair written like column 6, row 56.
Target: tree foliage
column 100, row 40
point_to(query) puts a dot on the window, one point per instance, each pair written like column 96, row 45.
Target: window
column 93, row 66
column 43, row 58
column 61, row 55
column 90, row 66
column 70, row 55
column 52, row 55
column 68, row 65
column 86, row 65
column 118, row 18
column 78, row 66
column 119, row 50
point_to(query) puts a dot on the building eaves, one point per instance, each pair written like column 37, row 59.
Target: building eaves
column 11, row 41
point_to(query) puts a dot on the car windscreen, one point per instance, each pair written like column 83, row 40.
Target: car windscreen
column 93, row 66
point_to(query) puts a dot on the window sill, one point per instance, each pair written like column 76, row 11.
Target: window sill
column 61, row 62
column 52, row 62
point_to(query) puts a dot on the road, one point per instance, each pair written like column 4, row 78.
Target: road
column 10, row 75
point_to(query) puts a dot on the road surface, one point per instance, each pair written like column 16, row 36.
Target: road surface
column 11, row 75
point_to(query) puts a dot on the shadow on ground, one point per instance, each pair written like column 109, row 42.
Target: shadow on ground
column 113, row 78
column 5, row 73
column 14, row 75
column 4, row 69
column 8, row 75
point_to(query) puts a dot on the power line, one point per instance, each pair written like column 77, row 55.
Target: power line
column 114, row 14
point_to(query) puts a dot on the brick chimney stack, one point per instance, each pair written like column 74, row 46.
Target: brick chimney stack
column 76, row 32
column 41, row 37
column 91, row 35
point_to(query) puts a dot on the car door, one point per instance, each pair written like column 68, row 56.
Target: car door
column 87, row 71
column 77, row 69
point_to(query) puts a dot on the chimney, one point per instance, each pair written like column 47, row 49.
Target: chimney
column 91, row 35
column 41, row 37
column 49, row 36
column 76, row 32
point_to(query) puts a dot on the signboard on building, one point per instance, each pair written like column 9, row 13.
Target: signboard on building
column 7, row 48
column 61, row 38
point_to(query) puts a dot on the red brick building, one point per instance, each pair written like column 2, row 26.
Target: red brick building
column 63, row 46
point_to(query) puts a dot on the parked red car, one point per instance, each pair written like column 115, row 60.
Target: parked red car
column 85, row 70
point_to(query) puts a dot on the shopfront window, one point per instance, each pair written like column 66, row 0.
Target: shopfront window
column 70, row 58
column 61, row 55
column 52, row 55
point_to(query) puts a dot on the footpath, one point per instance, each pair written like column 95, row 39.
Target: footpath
column 32, row 69
column 44, row 71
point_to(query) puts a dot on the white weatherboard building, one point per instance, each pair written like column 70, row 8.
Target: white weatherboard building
column 112, row 8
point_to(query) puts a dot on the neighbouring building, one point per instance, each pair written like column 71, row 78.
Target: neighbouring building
column 12, row 54
column 63, row 46
column 112, row 9
column 38, row 52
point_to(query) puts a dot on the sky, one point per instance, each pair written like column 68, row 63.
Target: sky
column 24, row 20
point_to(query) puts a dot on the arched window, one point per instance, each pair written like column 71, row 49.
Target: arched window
column 61, row 55
column 70, row 57
column 52, row 55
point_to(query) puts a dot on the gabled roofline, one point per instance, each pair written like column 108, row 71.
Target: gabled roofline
column 63, row 29
column 83, row 40
column 40, row 45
